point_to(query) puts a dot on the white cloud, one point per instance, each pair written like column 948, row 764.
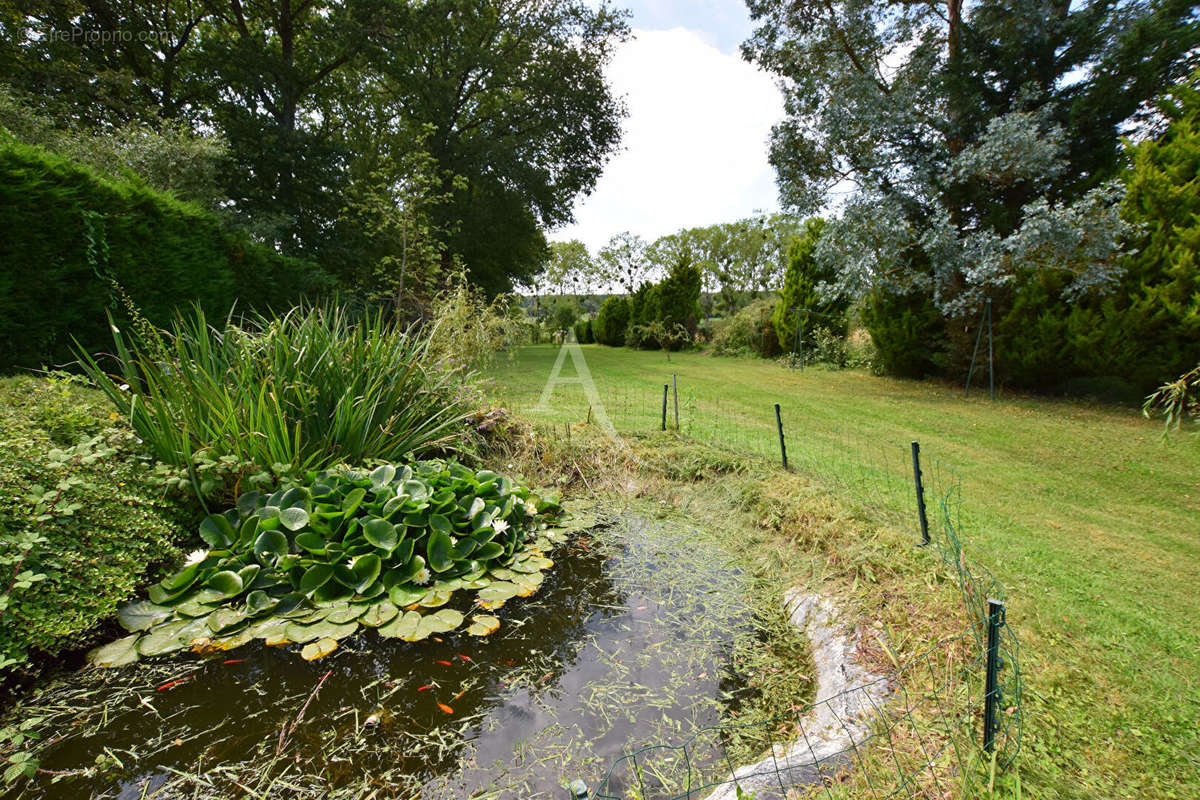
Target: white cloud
column 695, row 145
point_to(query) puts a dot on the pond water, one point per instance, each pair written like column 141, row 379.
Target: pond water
column 629, row 642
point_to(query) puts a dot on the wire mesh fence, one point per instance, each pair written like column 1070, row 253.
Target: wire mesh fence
column 943, row 724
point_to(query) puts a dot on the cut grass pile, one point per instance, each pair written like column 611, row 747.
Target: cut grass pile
column 1088, row 518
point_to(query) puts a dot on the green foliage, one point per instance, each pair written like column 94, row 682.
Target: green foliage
column 748, row 331
column 303, row 391
column 679, row 303
column 564, row 313
column 908, row 333
column 314, row 560
column 583, row 332
column 66, row 234
column 644, row 308
column 1176, row 401
column 82, row 518
column 804, row 274
column 466, row 329
column 612, row 321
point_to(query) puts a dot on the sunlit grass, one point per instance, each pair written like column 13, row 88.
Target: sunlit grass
column 1089, row 519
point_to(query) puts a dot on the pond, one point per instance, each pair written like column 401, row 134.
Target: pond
column 631, row 641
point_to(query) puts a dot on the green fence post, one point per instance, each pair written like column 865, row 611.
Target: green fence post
column 991, row 701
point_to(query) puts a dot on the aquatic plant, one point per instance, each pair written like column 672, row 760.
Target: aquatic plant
column 313, row 562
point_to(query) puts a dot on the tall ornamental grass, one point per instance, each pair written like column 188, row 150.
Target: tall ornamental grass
column 315, row 387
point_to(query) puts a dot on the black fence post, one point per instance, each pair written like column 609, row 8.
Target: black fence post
column 664, row 414
column 916, row 454
column 779, row 425
column 991, row 701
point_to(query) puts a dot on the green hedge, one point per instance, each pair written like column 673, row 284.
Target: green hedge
column 64, row 230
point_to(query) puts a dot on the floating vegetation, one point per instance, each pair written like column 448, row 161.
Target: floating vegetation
column 642, row 632
column 311, row 564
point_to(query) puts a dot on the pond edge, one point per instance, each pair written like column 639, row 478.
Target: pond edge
column 838, row 719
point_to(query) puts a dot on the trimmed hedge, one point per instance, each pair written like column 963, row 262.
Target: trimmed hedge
column 64, row 231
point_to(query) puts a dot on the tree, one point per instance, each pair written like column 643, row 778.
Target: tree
column 679, row 303
column 516, row 94
column 623, row 261
column 981, row 139
column 612, row 321
column 570, row 269
column 802, row 292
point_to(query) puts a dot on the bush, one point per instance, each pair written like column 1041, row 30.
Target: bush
column 316, row 387
column 643, row 309
column 908, row 333
column 66, row 234
column 748, row 331
column 78, row 491
column 612, row 321
column 679, row 304
column 468, row 330
column 565, row 313
column 801, row 279
column 583, row 331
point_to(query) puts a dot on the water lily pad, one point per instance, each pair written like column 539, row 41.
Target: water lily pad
column 379, row 614
column 315, row 577
column 167, row 637
column 220, row 586
column 403, row 626
column 194, row 608
column 382, row 475
column 441, row 621
column 433, row 598
column 115, row 654
column 259, row 601
column 141, row 615
column 181, row 580
column 318, row 649
column 345, row 614
column 224, row 618
column 406, row 595
column 311, row 542
column 352, row 501
column 271, row 543
column 381, row 534
column 233, row 640
column 293, row 518
column 483, row 625
column 438, row 551
column 488, row 551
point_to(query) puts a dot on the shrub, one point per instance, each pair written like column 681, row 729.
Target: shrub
column 908, row 333
column 748, row 331
column 643, row 309
column 679, row 303
column 310, row 389
column 565, row 313
column 583, row 331
column 80, row 511
column 802, row 277
column 468, row 330
column 66, row 234
column 612, row 321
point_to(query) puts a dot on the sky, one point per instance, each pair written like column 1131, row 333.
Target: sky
column 694, row 150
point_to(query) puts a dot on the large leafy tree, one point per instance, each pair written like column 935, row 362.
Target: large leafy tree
column 515, row 93
column 501, row 103
column 979, row 139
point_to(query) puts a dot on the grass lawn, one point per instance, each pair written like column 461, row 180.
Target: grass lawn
column 1089, row 519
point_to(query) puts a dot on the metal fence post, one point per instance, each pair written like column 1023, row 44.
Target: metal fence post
column 664, row 414
column 675, row 395
column 991, row 701
column 779, row 425
column 916, row 455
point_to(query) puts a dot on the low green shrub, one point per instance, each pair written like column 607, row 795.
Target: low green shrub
column 244, row 405
column 341, row 548
column 612, row 321
column 583, row 332
column 748, row 331
column 82, row 517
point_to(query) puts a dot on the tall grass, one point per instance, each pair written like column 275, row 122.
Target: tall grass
column 314, row 387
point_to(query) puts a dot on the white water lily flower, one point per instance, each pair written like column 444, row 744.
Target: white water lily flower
column 195, row 557
column 500, row 526
column 530, row 510
column 422, row 577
